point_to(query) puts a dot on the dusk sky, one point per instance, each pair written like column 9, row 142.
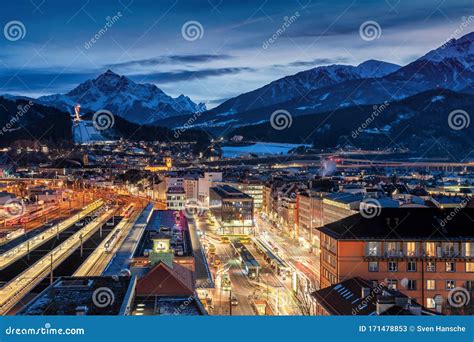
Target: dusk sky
column 232, row 53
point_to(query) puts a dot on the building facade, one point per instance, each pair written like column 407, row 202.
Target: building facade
column 233, row 210
column 417, row 251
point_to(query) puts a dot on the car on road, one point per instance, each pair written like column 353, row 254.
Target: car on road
column 244, row 240
column 234, row 301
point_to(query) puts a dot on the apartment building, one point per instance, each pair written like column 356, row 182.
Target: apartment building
column 253, row 188
column 175, row 198
column 427, row 253
column 310, row 216
column 233, row 210
column 339, row 205
column 190, row 185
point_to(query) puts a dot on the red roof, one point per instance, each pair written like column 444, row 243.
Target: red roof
column 162, row 280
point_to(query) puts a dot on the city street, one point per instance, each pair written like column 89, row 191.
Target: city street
column 269, row 287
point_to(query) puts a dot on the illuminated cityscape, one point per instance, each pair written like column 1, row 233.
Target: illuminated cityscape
column 302, row 181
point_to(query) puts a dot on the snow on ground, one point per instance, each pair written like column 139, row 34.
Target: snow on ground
column 261, row 148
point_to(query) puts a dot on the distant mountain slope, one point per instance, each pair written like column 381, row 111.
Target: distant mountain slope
column 139, row 103
column 26, row 120
column 322, row 89
column 418, row 123
column 298, row 85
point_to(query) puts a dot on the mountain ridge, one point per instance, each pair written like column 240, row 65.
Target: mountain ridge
column 138, row 103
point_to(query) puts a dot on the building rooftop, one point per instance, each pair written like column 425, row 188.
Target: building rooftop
column 175, row 190
column 405, row 223
column 357, row 296
column 162, row 280
column 344, row 197
column 229, row 192
column 83, row 295
column 170, row 305
column 166, row 223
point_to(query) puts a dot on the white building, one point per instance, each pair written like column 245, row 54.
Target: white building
column 205, row 183
column 175, row 198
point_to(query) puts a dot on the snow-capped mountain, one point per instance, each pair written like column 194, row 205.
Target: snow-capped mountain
column 300, row 84
column 139, row 103
column 450, row 66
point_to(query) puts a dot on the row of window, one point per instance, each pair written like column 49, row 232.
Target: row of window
column 411, row 285
column 411, row 266
column 329, row 275
column 431, row 249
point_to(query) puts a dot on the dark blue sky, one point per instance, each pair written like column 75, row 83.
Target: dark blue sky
column 232, row 54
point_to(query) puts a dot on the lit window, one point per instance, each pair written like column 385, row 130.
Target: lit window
column 470, row 266
column 430, row 249
column 430, row 303
column 411, row 248
column 431, row 284
column 430, row 266
column 450, row 266
column 392, row 284
column 392, row 248
column 450, row 284
column 469, row 249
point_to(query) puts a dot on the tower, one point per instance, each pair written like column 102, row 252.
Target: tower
column 168, row 162
column 77, row 113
